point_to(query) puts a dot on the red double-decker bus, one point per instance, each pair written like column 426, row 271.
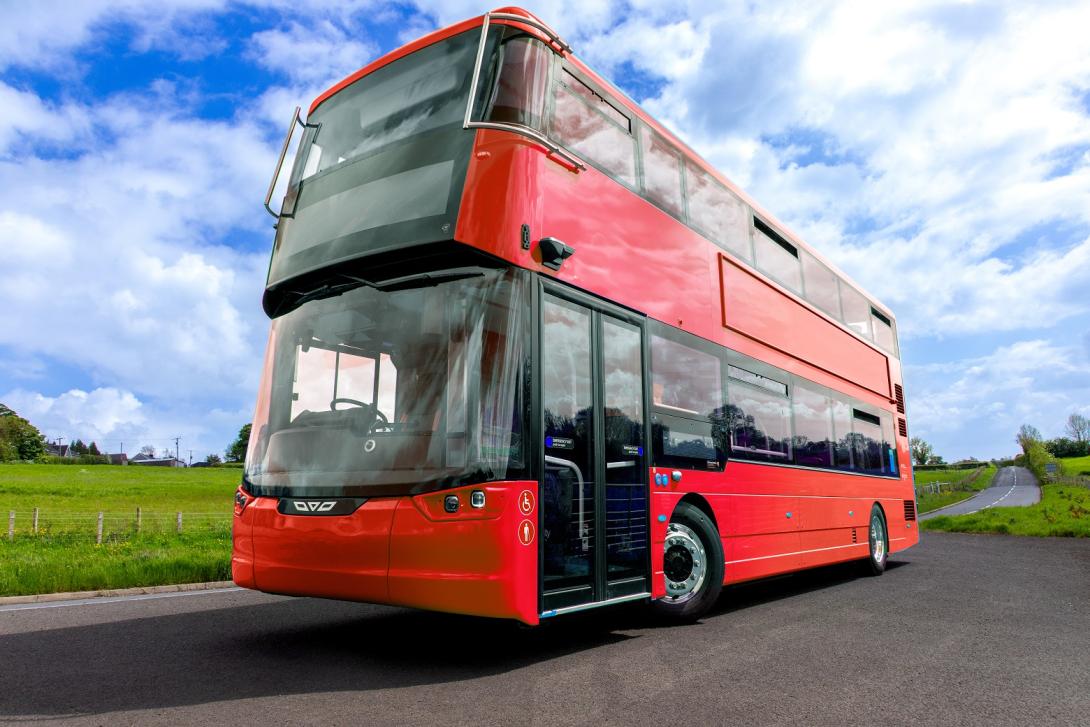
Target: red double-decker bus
column 530, row 355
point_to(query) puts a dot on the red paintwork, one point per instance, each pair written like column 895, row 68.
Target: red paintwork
column 407, row 551
column 399, row 550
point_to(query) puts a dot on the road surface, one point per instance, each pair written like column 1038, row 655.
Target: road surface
column 1011, row 487
column 962, row 629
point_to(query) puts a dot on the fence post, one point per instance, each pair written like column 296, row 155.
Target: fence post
column 138, row 518
column 35, row 521
column 11, row 525
column 98, row 534
column 179, row 523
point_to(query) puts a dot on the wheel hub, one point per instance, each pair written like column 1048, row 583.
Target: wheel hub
column 684, row 563
column 877, row 539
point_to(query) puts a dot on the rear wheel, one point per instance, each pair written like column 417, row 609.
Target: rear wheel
column 878, row 538
column 692, row 564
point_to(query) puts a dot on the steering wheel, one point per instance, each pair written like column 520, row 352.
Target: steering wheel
column 379, row 419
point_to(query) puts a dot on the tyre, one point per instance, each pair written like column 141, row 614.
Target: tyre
column 878, row 538
column 692, row 563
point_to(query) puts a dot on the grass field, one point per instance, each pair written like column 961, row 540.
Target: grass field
column 63, row 555
column 963, row 484
column 1074, row 466
column 1064, row 510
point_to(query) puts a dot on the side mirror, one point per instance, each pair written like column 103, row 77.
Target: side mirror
column 554, row 252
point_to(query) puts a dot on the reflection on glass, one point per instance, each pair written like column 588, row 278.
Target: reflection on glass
column 661, row 172
column 856, row 310
column 777, row 261
column 626, row 493
column 821, row 284
column 435, row 376
column 568, row 484
column 684, row 380
column 813, row 428
column 716, row 212
column 760, row 424
column 582, row 128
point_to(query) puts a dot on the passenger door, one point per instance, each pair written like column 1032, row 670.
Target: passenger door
column 594, row 490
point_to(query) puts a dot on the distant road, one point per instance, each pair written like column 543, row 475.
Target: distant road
column 1011, row 487
column 964, row 630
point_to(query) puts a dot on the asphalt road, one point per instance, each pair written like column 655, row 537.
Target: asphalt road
column 1011, row 487
column 961, row 630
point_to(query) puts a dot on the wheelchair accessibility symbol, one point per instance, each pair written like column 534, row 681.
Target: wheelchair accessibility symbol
column 526, row 502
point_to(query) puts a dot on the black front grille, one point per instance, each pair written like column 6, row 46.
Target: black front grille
column 910, row 510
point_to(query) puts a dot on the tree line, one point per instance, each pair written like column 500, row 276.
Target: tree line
column 21, row 441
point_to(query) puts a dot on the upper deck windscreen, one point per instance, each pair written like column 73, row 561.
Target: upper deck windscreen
column 382, row 163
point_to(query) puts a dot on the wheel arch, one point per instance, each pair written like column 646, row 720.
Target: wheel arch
column 702, row 504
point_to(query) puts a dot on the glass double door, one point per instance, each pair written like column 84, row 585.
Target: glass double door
column 594, row 492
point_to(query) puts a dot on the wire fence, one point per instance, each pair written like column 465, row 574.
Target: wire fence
column 102, row 526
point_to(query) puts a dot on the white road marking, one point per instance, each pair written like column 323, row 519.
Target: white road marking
column 114, row 599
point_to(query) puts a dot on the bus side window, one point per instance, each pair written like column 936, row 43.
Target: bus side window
column 687, row 397
column 586, row 124
column 717, row 213
column 661, row 172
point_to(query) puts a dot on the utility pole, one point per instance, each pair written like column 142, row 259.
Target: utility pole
column 177, row 452
column 191, row 458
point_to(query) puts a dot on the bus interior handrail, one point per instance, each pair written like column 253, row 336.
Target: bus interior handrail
column 557, row 461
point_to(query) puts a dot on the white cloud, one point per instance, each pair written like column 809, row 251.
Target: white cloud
column 97, row 415
column 320, row 52
column 42, row 34
column 974, row 406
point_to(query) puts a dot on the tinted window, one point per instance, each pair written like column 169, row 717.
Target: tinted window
column 778, row 260
column 684, row 380
column 842, row 433
column 820, row 284
column 889, row 445
column 519, row 94
column 759, row 421
column 583, row 125
column 687, row 392
column 661, row 172
column 883, row 331
column 867, row 443
column 716, row 212
column 814, row 440
column 856, row 310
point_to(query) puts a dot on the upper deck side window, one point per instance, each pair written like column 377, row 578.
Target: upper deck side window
column 716, row 213
column 585, row 122
column 776, row 256
column 661, row 172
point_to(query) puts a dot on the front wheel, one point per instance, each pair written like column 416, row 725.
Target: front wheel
column 879, row 543
column 692, row 564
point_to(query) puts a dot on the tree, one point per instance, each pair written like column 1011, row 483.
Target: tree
column 1064, row 447
column 19, row 439
column 921, row 450
column 237, row 451
column 1028, row 435
column 148, row 450
column 213, row 459
column 79, row 447
column 93, row 449
column 935, row 459
column 1078, row 427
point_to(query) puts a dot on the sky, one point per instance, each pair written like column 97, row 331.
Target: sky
column 939, row 153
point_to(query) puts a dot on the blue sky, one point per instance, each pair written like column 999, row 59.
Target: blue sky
column 938, row 152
